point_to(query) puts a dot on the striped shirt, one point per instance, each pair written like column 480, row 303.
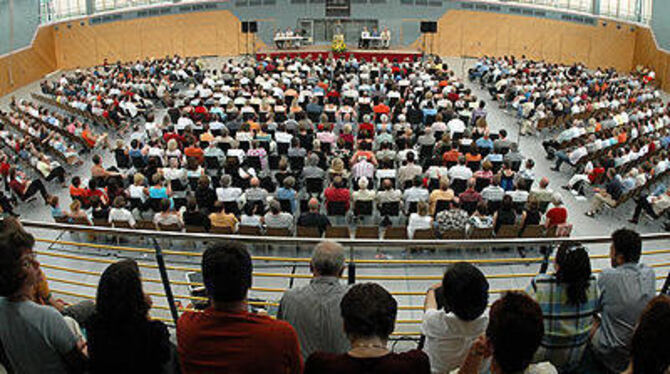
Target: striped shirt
column 566, row 326
column 363, row 169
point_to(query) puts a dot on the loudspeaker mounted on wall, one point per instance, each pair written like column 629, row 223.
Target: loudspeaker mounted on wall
column 428, row 27
column 249, row 27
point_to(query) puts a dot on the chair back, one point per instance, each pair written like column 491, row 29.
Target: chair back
column 424, row 234
column 479, row 233
column 390, row 209
column 341, row 232
column 337, row 208
column 195, row 229
column 363, row 208
column 395, row 232
column 223, row 230
column 367, row 232
column 308, row 232
column 249, row 230
column 145, row 225
column 173, row 227
column 314, row 185
column 453, row 234
column 508, row 231
column 278, row 231
column 533, row 231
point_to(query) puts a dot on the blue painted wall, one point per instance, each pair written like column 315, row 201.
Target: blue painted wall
column 660, row 23
column 26, row 20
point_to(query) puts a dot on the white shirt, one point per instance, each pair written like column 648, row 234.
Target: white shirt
column 418, row 222
column 448, row 338
column 456, row 125
column 121, row 215
column 228, row 194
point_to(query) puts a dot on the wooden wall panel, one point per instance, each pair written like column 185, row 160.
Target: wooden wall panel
column 483, row 33
column 29, row 64
column 648, row 54
column 194, row 34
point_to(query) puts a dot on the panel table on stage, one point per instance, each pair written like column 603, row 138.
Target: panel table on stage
column 284, row 42
column 373, row 41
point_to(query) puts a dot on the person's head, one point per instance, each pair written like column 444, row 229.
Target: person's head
column 226, row 272
column 255, row 182
column 557, row 199
column 138, row 179
column 119, row 202
column 472, row 182
column 650, row 344
column 53, row 201
column 422, row 208
column 507, row 203
column 203, row 182
column 19, row 270
column 313, row 205
column 626, row 247
column 97, row 160
column 363, row 183
column 368, row 311
column 388, row 185
column 444, row 183
column 76, row 181
column 573, row 268
column 410, row 157
column 514, row 332
column 275, row 206
column 544, row 182
column 327, row 259
column 75, row 206
column 338, row 182
column 120, row 297
column 465, row 290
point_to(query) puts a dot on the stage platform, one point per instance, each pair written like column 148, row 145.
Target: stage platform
column 323, row 51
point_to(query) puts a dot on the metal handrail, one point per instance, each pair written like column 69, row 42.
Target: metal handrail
column 444, row 243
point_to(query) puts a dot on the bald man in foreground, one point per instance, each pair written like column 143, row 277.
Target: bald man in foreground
column 314, row 309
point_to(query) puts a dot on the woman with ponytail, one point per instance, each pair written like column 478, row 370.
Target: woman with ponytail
column 568, row 299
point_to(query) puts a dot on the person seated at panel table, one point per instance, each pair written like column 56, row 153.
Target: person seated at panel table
column 364, row 41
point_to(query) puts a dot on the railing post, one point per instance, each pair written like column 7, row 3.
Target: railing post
column 166, row 281
column 351, row 269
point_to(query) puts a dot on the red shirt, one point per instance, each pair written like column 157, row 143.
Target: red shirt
column 557, row 216
column 225, row 342
column 337, row 194
column 414, row 361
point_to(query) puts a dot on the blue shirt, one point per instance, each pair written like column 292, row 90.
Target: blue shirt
column 624, row 293
column 287, row 194
column 484, row 143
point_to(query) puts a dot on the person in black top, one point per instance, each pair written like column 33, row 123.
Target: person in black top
column 121, row 337
column 193, row 216
column 205, row 195
column 313, row 218
column 369, row 313
column 532, row 215
column 100, row 211
column 505, row 215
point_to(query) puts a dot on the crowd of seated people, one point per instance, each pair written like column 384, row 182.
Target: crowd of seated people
column 567, row 319
column 368, row 141
column 613, row 128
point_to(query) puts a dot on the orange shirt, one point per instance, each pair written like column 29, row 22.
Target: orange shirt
column 88, row 138
column 451, row 156
column 473, row 158
column 77, row 191
column 622, row 137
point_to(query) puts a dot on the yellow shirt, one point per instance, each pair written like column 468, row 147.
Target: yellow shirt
column 437, row 195
column 223, row 220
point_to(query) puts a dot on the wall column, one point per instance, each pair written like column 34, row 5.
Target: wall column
column 596, row 7
column 90, row 7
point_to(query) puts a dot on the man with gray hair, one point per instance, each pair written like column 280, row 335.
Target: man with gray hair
column 314, row 309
